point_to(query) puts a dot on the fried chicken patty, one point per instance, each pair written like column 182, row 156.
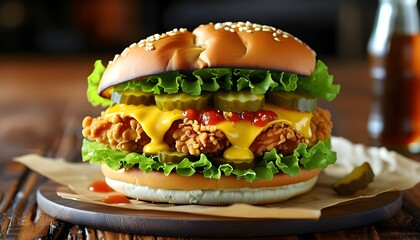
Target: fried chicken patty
column 126, row 134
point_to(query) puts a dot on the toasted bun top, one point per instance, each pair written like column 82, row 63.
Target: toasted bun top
column 238, row 44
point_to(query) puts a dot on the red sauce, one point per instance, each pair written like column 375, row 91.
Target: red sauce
column 259, row 118
column 115, row 199
column 210, row 117
column 99, row 186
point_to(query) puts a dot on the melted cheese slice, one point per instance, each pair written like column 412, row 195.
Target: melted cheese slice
column 156, row 123
column 242, row 134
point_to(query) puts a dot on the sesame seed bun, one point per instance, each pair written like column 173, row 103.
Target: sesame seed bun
column 238, row 44
column 157, row 187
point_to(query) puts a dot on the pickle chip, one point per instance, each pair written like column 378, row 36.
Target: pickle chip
column 171, row 157
column 236, row 164
column 231, row 101
column 292, row 100
column 357, row 180
column 183, row 101
column 133, row 98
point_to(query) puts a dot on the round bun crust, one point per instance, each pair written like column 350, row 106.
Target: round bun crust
column 156, row 187
column 237, row 44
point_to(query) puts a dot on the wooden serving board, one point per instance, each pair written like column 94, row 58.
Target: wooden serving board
column 159, row 223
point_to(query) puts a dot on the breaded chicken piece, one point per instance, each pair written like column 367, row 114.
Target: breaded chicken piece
column 125, row 134
column 119, row 132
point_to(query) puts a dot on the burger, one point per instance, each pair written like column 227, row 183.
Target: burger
column 226, row 113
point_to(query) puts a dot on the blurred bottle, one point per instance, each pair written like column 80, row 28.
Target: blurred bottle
column 394, row 57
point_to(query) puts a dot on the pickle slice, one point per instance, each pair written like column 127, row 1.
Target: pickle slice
column 236, row 164
column 171, row 157
column 230, row 101
column 133, row 98
column 292, row 100
column 183, row 101
column 357, row 180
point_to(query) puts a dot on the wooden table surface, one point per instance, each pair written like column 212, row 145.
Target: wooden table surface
column 42, row 104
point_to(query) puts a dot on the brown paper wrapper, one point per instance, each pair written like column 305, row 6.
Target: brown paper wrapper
column 393, row 172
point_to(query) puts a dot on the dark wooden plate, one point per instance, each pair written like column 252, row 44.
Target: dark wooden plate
column 159, row 223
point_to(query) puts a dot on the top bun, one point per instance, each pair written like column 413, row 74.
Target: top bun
column 229, row 44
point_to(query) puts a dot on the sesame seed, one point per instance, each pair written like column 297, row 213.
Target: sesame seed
column 125, row 52
column 149, row 48
column 115, row 58
column 252, row 27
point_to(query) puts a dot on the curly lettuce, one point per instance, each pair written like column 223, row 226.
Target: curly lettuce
column 319, row 84
column 317, row 156
column 93, row 83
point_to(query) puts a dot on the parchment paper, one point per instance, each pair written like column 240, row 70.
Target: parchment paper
column 393, row 172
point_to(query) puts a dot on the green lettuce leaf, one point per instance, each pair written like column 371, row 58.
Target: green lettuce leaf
column 287, row 81
column 166, row 82
column 319, row 84
column 317, row 156
column 259, row 81
column 214, row 78
column 93, row 82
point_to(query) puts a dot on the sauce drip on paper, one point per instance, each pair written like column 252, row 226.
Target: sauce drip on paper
column 115, row 199
column 99, row 186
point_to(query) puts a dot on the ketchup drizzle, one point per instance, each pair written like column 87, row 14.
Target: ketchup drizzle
column 259, row 118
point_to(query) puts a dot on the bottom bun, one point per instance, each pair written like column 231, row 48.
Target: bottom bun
column 212, row 197
column 134, row 183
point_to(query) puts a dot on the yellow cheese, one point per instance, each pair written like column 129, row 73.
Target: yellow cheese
column 300, row 121
column 156, row 123
column 242, row 134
